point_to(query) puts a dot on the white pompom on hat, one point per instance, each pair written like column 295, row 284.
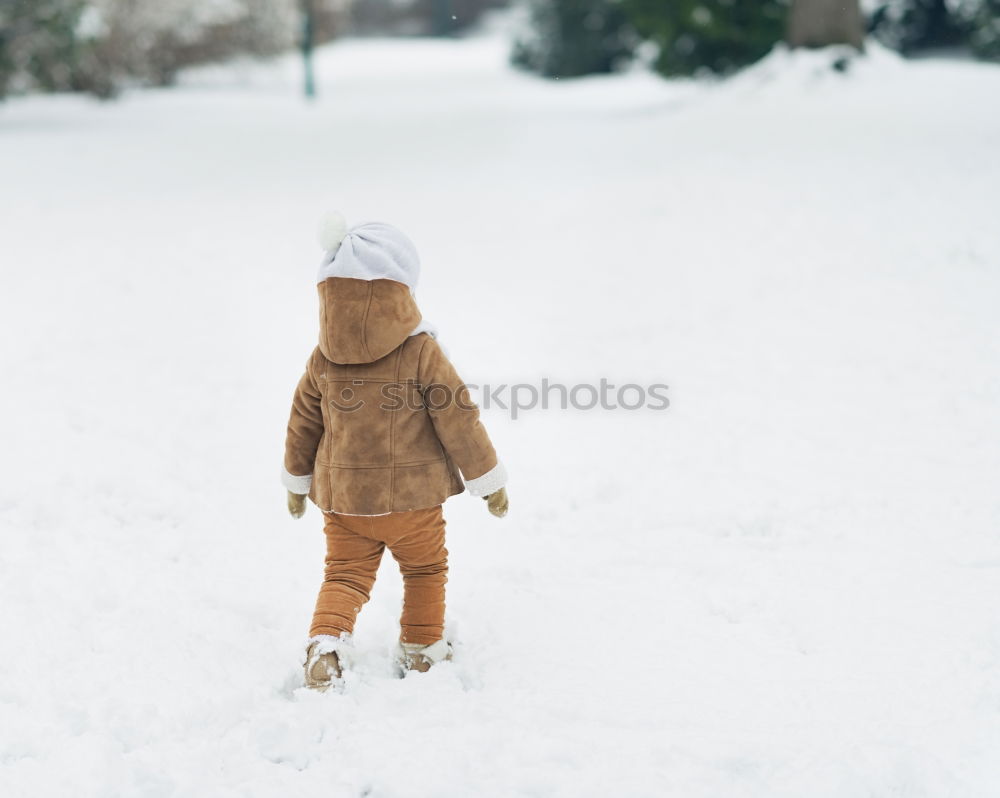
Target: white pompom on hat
column 370, row 251
column 332, row 229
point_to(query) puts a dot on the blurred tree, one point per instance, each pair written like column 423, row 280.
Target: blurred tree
column 914, row 25
column 418, row 17
column 153, row 41
column 97, row 45
column 985, row 38
column 39, row 45
column 715, row 35
column 818, row 23
column 569, row 38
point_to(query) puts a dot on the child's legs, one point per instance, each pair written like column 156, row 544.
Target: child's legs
column 416, row 541
column 352, row 559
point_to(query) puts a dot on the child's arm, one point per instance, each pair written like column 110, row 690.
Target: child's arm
column 305, row 429
column 456, row 422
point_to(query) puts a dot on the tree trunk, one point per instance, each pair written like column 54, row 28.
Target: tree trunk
column 817, row 23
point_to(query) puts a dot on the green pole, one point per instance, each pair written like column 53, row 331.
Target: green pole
column 308, row 38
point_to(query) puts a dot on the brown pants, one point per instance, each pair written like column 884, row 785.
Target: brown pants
column 354, row 546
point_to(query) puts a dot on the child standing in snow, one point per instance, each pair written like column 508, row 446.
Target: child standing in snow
column 382, row 431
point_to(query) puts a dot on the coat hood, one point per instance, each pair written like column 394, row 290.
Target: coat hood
column 361, row 321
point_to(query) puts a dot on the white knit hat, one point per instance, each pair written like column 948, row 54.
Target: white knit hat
column 370, row 251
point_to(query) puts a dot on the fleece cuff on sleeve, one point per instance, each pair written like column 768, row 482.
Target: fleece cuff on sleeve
column 488, row 483
column 294, row 484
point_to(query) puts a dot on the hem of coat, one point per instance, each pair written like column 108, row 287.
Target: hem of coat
column 454, row 492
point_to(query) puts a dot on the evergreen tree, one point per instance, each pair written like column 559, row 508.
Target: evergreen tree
column 39, row 48
column 985, row 38
column 914, row 25
column 569, row 38
column 715, row 35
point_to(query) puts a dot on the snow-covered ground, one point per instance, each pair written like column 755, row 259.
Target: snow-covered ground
column 787, row 584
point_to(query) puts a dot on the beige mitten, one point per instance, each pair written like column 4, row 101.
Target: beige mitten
column 296, row 504
column 497, row 502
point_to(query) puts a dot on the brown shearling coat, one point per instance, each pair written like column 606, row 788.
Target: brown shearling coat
column 380, row 419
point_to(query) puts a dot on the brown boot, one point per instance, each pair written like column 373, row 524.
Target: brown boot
column 322, row 666
column 420, row 658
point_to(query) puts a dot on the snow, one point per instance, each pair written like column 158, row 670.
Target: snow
column 784, row 585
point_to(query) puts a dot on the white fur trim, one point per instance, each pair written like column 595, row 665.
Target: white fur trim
column 425, row 327
column 294, row 484
column 488, row 483
column 332, row 229
column 327, row 643
column 358, row 515
column 435, row 652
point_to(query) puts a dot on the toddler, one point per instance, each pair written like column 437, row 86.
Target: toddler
column 382, row 431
